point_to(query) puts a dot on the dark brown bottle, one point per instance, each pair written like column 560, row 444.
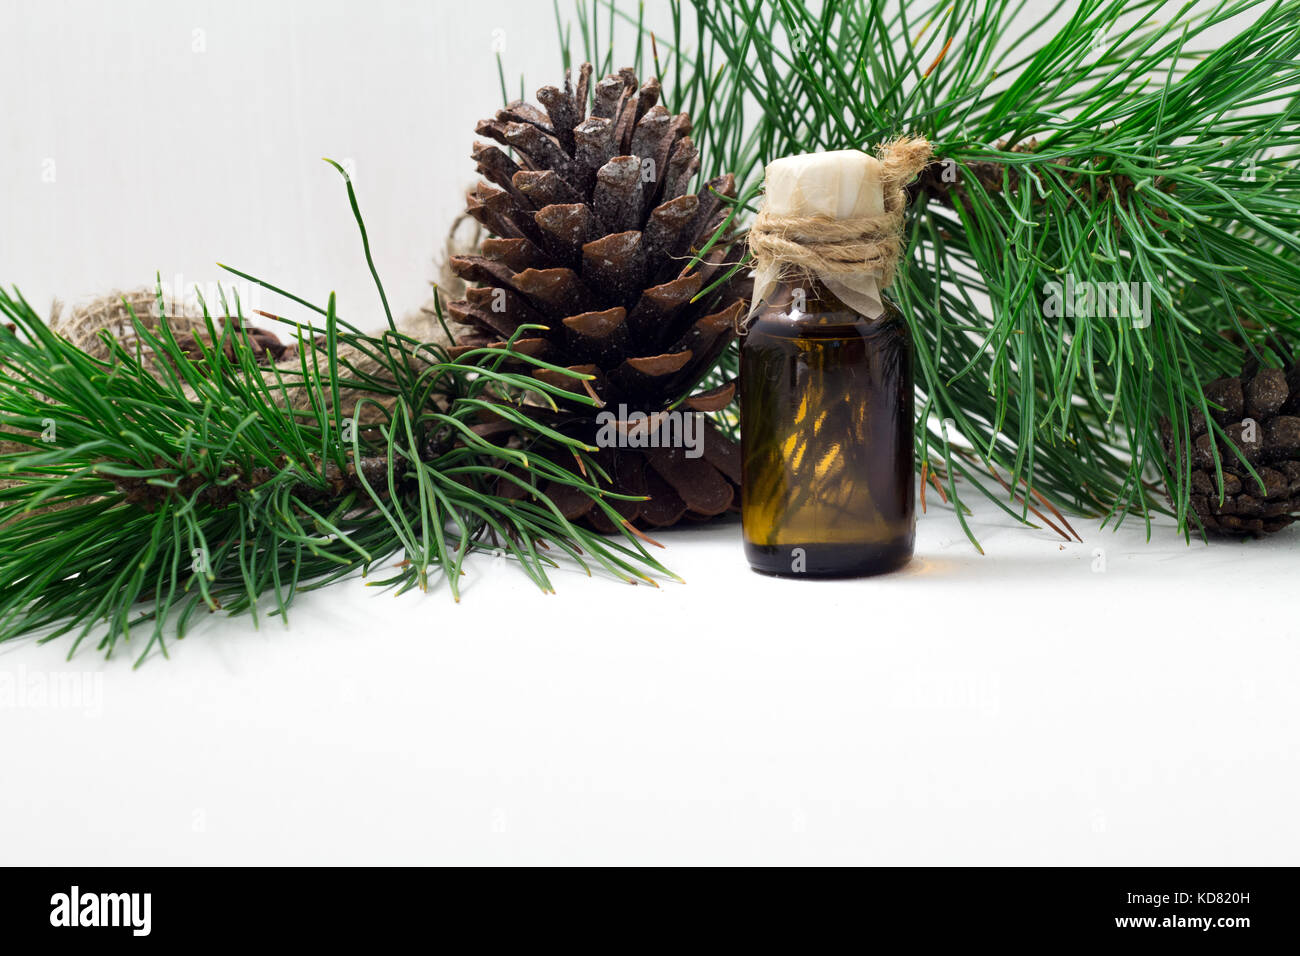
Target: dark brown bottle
column 827, row 417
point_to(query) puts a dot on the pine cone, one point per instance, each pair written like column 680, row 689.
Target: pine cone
column 1260, row 414
column 592, row 229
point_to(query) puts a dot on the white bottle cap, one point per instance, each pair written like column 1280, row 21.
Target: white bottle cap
column 843, row 184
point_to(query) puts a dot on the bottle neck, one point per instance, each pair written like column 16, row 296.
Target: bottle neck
column 808, row 299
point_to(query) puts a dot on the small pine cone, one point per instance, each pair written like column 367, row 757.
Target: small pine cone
column 1259, row 413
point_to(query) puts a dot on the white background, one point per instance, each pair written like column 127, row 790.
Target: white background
column 1115, row 701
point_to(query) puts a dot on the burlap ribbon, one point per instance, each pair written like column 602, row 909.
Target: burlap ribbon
column 858, row 255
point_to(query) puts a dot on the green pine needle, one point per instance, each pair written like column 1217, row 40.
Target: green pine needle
column 1116, row 145
column 153, row 497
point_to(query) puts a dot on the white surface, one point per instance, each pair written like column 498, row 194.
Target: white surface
column 1018, row 707
column 1014, row 708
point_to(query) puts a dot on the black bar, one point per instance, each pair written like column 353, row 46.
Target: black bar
column 1169, row 907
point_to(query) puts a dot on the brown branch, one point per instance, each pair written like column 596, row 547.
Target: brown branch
column 994, row 176
column 225, row 489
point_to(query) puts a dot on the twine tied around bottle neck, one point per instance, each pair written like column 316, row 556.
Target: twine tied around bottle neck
column 839, row 250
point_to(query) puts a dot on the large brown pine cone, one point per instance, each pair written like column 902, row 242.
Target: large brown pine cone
column 592, row 229
column 1260, row 414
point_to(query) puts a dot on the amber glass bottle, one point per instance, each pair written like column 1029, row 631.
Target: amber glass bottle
column 827, row 432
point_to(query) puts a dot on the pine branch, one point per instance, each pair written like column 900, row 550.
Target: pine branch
column 181, row 474
column 1105, row 142
column 226, row 487
column 140, row 494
